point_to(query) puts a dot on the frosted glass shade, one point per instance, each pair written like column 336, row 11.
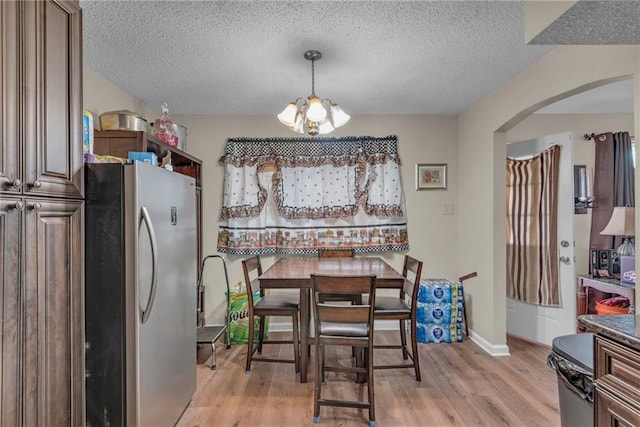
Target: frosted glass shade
column 298, row 126
column 288, row 115
column 338, row 116
column 325, row 128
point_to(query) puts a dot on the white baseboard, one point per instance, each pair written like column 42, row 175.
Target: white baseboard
column 493, row 350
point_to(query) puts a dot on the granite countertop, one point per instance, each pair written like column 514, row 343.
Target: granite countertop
column 624, row 328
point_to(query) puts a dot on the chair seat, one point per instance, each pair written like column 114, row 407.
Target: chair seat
column 392, row 305
column 277, row 302
column 351, row 330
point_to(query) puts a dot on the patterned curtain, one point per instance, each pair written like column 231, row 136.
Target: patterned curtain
column 532, row 234
column 295, row 195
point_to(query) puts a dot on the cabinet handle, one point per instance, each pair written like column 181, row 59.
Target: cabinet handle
column 35, row 206
column 37, row 184
column 19, row 205
column 16, row 183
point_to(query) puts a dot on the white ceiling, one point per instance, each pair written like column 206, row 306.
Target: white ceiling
column 246, row 57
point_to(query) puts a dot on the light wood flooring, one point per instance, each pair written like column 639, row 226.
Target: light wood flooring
column 461, row 386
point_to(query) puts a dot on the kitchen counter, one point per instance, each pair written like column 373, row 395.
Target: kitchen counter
column 624, row 328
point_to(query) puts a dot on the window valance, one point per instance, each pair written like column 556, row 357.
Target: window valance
column 312, row 186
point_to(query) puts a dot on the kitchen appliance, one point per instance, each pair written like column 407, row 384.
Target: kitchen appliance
column 140, row 294
column 123, row 120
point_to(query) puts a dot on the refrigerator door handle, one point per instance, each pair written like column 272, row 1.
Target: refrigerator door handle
column 154, row 257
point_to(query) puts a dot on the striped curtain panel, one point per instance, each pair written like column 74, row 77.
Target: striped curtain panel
column 532, row 253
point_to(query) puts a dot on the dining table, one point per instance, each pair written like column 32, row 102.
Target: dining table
column 295, row 273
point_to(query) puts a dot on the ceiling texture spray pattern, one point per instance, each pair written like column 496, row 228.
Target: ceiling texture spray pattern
column 246, row 57
column 379, row 57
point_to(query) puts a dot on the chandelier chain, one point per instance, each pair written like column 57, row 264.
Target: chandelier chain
column 315, row 115
column 313, row 77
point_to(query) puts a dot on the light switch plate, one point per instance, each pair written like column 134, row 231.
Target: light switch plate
column 448, row 209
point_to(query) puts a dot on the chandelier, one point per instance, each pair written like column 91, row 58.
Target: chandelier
column 311, row 113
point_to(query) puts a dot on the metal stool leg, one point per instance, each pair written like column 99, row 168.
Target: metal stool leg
column 214, row 363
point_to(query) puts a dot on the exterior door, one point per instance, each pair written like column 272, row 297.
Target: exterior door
column 538, row 323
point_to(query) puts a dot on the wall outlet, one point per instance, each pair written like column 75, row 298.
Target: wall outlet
column 448, row 209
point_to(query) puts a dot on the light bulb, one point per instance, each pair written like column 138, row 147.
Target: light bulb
column 316, row 112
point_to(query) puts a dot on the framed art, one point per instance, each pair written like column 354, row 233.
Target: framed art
column 431, row 176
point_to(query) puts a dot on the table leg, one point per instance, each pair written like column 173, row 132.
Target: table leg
column 304, row 333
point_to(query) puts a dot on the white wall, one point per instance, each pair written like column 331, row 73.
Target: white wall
column 101, row 95
column 433, row 237
column 481, row 136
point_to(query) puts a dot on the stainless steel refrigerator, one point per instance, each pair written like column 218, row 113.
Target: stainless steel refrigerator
column 140, row 294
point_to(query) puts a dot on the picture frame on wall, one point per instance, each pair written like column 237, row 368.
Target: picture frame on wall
column 431, row 176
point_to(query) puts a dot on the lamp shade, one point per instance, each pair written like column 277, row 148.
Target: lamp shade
column 338, row 116
column 288, row 115
column 622, row 222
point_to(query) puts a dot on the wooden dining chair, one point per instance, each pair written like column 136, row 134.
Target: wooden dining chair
column 338, row 253
column 398, row 308
column 344, row 325
column 268, row 305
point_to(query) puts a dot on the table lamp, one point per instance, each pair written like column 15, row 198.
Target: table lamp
column 623, row 223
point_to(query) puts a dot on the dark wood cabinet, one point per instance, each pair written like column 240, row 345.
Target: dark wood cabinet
column 617, row 384
column 42, row 102
column 119, row 142
column 41, row 214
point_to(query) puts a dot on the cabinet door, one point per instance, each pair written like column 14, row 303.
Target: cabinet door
column 53, row 371
column 10, row 348
column 52, row 109
column 10, row 165
column 610, row 411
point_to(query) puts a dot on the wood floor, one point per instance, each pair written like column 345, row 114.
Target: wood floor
column 461, row 386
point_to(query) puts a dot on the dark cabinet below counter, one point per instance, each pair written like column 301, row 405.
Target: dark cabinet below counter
column 617, row 369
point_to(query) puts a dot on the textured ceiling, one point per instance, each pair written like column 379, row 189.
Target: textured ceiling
column 595, row 22
column 246, row 57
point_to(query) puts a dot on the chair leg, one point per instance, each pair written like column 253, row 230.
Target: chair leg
column 414, row 350
column 317, row 384
column 370, row 389
column 261, row 333
column 403, row 339
column 296, row 343
column 213, row 356
column 250, row 345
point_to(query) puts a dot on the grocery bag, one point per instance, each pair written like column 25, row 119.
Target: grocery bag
column 239, row 316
